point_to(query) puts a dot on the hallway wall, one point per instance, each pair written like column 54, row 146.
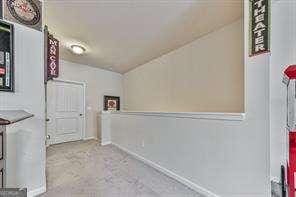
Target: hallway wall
column 206, row 75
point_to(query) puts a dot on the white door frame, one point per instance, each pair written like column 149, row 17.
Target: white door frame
column 84, row 102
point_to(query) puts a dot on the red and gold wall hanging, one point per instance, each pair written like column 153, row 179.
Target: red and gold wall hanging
column 53, row 57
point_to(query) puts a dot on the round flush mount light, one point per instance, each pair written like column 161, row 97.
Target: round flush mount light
column 77, row 49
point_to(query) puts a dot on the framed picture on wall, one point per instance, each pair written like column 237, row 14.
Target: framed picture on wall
column 111, row 103
column 6, row 57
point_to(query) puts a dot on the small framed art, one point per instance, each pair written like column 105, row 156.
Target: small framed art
column 111, row 103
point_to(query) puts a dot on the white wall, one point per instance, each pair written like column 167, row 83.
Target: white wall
column 283, row 47
column 227, row 158
column 205, row 75
column 98, row 83
column 29, row 95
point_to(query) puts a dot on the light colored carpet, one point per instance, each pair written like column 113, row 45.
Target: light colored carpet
column 86, row 169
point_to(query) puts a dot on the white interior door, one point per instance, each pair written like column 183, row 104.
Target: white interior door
column 65, row 111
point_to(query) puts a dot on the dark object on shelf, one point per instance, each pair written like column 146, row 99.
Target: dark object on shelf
column 111, row 103
column 6, row 57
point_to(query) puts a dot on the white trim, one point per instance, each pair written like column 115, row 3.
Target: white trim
column 84, row 101
column 191, row 115
column 36, row 192
column 90, row 138
column 169, row 173
column 106, row 143
column 69, row 81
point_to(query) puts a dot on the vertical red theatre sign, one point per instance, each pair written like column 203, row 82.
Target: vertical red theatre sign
column 259, row 27
column 52, row 57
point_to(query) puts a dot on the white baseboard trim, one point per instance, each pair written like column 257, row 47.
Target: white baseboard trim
column 169, row 173
column 37, row 192
column 106, row 143
column 90, row 138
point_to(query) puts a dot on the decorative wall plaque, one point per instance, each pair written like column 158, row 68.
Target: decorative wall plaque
column 26, row 12
column 6, row 57
column 259, row 27
column 111, row 103
column 52, row 57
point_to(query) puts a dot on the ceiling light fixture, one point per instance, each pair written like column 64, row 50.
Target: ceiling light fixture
column 77, row 49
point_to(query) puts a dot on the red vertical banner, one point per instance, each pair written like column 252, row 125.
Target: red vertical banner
column 52, row 57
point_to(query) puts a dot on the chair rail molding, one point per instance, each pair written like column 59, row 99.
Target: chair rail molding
column 190, row 115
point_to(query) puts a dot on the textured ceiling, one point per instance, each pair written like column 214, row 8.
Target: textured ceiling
column 123, row 34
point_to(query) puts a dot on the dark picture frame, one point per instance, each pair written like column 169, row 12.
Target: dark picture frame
column 108, row 100
column 6, row 57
